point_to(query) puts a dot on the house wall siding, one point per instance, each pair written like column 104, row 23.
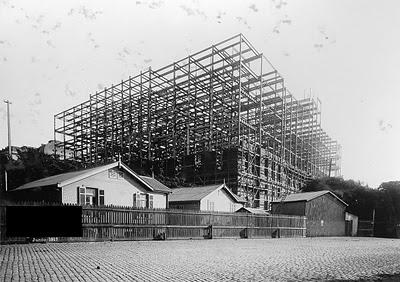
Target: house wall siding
column 325, row 217
column 159, row 201
column 222, row 202
column 185, row 205
column 290, row 208
column 117, row 191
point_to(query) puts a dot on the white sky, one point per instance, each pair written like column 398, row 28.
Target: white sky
column 53, row 54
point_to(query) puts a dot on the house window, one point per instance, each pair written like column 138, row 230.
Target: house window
column 112, row 174
column 136, row 200
column 81, row 196
column 115, row 174
column 101, row 197
column 149, row 201
column 141, row 200
column 90, row 196
column 210, row 205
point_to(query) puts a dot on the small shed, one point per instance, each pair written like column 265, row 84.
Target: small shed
column 112, row 184
column 325, row 212
column 351, row 224
column 205, row 198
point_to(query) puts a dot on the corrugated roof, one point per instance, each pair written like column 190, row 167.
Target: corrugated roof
column 55, row 179
column 239, row 199
column 190, row 194
column 155, row 184
column 307, row 196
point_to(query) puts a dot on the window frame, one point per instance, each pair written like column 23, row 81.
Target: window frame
column 98, row 196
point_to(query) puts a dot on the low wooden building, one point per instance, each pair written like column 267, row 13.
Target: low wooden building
column 351, row 224
column 205, row 198
column 325, row 212
column 112, row 184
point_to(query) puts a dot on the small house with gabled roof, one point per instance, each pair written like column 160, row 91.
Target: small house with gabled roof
column 325, row 212
column 111, row 184
column 205, row 198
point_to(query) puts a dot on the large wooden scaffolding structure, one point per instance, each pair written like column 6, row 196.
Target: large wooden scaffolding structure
column 221, row 114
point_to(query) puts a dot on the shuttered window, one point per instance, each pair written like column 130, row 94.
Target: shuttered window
column 141, row 200
column 90, row 196
column 135, row 201
column 81, row 195
column 149, row 201
column 101, row 197
column 210, row 205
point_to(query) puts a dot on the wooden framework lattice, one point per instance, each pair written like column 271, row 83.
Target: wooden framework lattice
column 221, row 114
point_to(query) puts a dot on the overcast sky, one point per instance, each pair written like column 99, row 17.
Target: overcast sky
column 53, row 54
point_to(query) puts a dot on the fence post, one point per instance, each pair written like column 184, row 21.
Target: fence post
column 165, row 218
column 3, row 224
column 211, row 225
column 113, row 223
column 247, row 225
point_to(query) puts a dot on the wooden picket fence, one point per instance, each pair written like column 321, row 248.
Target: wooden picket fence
column 100, row 223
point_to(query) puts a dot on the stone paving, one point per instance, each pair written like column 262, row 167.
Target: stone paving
column 300, row 259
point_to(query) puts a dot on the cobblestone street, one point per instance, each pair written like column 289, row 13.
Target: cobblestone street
column 302, row 259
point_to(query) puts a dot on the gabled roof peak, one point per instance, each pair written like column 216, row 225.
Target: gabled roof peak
column 186, row 194
column 307, row 196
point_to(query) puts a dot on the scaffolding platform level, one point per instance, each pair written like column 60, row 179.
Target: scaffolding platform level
column 220, row 115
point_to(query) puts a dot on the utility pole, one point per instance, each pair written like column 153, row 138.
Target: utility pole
column 9, row 127
column 9, row 142
column 330, row 167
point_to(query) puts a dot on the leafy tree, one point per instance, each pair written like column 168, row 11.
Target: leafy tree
column 31, row 165
column 388, row 211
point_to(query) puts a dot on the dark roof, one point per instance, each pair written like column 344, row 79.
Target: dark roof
column 239, row 199
column 307, row 196
column 252, row 210
column 155, row 184
column 191, row 194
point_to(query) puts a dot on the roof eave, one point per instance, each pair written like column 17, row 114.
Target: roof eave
column 132, row 173
column 235, row 197
column 163, row 192
column 87, row 174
